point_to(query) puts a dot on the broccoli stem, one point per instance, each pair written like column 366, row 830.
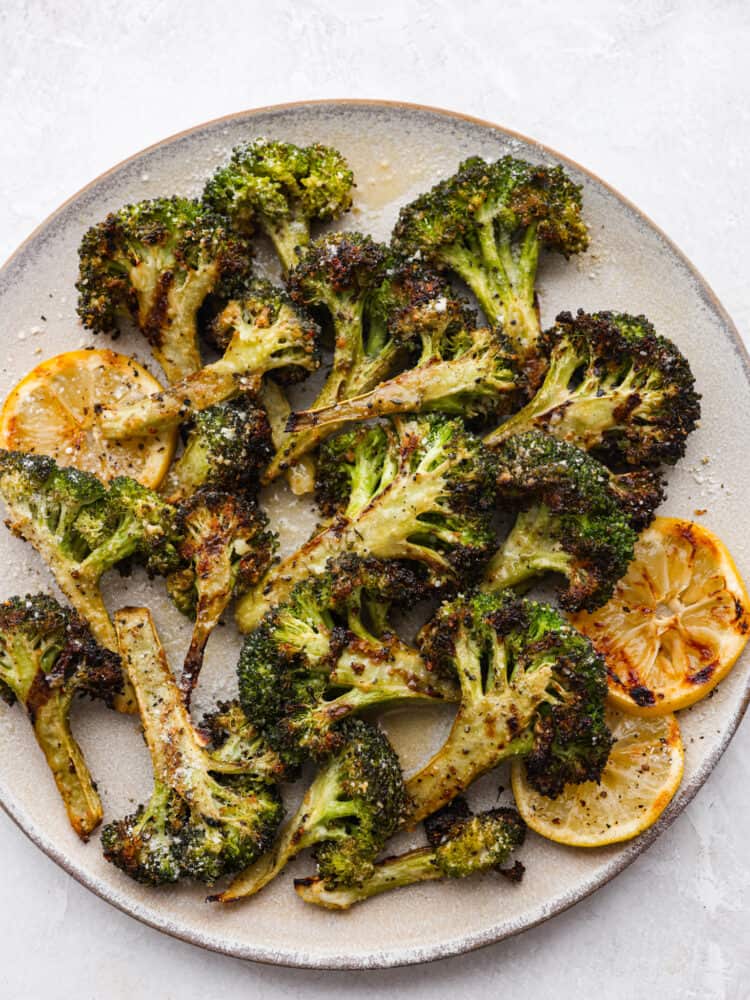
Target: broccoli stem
column 526, row 553
column 65, row 760
column 391, row 873
column 287, row 237
column 300, row 475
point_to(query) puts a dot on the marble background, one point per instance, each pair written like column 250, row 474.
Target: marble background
column 654, row 96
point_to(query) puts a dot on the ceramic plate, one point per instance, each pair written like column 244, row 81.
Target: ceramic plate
column 396, row 151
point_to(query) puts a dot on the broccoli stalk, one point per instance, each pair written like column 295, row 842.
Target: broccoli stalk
column 434, row 511
column 47, row 657
column 468, row 846
column 531, row 686
column 263, row 332
column 226, row 547
column 157, row 261
column 281, row 189
column 487, row 224
column 213, row 810
column 355, row 803
column 577, row 524
column 613, row 386
column 329, row 653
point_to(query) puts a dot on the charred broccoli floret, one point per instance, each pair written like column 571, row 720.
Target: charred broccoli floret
column 328, row 653
column 262, row 332
column 82, row 528
column 615, row 387
column 281, row 189
column 227, row 447
column 353, row 806
column 157, row 261
column 47, row 657
column 487, row 224
column 434, row 511
column 467, row 845
column 213, row 809
column 531, row 686
column 573, row 521
column 225, row 547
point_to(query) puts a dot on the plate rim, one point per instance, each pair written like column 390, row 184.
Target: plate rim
column 410, row 955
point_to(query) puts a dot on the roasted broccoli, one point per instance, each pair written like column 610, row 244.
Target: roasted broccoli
column 461, row 369
column 157, row 261
column 281, row 189
column 487, row 224
column 82, row 528
column 47, row 657
column 576, row 519
column 214, row 809
column 531, row 686
column 262, row 332
column 328, row 653
column 615, row 387
column 356, row 802
column 430, row 505
column 466, row 845
column 227, row 447
column 225, row 548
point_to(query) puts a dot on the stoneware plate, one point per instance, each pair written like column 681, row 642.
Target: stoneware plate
column 396, row 152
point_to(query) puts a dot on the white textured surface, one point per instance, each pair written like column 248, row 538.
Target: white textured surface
column 650, row 96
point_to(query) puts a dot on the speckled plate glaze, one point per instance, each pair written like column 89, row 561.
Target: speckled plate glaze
column 396, row 151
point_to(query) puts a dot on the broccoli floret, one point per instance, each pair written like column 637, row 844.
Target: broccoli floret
column 487, row 224
column 225, row 547
column 468, row 846
column 353, row 467
column 157, row 261
column 82, row 529
column 615, row 387
column 281, row 189
column 531, row 686
column 330, row 653
column 47, row 657
column 227, row 446
column 573, row 522
column 262, row 332
column 353, row 806
column 434, row 511
column 212, row 811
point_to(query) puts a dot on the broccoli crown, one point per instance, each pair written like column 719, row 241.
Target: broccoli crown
column 137, row 512
column 348, row 266
column 353, row 467
column 281, row 188
column 573, row 522
column 638, row 493
column 613, row 386
column 479, row 843
column 531, row 685
column 329, row 653
column 227, row 447
column 146, row 845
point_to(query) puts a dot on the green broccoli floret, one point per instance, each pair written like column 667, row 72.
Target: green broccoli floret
column 225, row 549
column 531, row 686
column 461, row 369
column 330, row 652
column 47, row 657
column 262, row 332
column 281, row 189
column 434, row 511
column 157, row 261
column 353, row 806
column 82, row 529
column 487, row 224
column 615, row 387
column 213, row 810
column 468, row 845
column 227, row 447
column 354, row 466
column 572, row 522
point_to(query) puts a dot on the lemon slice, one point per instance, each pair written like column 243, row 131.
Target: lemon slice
column 52, row 411
column 642, row 774
column 676, row 623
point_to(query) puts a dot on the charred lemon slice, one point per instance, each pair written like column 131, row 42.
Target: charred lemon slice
column 52, row 411
column 676, row 623
column 642, row 774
